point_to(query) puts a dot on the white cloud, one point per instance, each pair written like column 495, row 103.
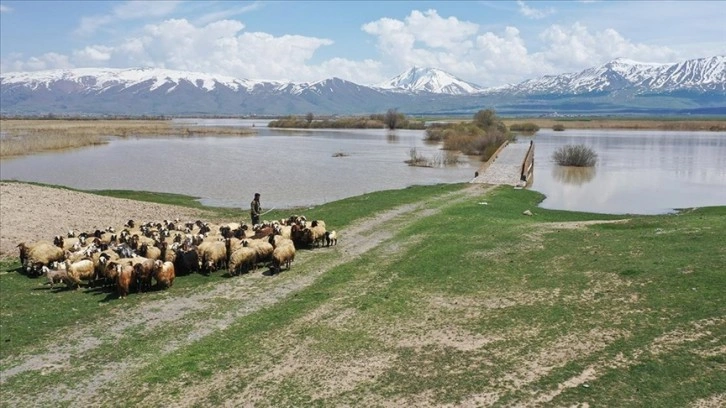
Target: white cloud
column 575, row 47
column 226, row 13
column 130, row 10
column 5, row 9
column 533, row 13
column 50, row 60
column 92, row 55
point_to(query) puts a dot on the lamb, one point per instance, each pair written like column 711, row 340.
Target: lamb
column 125, row 278
column 282, row 255
column 331, row 238
column 242, row 260
column 55, row 275
column 81, row 270
column 164, row 274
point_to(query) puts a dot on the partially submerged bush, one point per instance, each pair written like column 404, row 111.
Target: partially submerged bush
column 558, row 127
column 527, row 127
column 575, row 155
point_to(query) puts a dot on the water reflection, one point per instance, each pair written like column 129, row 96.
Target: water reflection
column 639, row 172
column 573, row 175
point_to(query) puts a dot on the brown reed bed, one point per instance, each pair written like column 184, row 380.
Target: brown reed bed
column 716, row 124
column 23, row 136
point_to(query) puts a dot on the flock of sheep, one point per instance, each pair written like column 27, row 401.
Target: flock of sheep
column 141, row 252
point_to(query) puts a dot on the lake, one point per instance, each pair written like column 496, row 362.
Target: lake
column 290, row 168
column 637, row 172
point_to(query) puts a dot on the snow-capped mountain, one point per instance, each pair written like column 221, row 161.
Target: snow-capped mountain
column 697, row 75
column 621, row 85
column 104, row 79
column 430, row 80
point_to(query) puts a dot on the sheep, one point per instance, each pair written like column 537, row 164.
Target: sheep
column 318, row 233
column 213, row 256
column 39, row 254
column 124, row 280
column 242, row 260
column 331, row 238
column 263, row 248
column 164, row 274
column 187, row 260
column 282, row 255
column 144, row 271
column 150, row 251
column 279, row 240
column 80, row 270
column 55, row 275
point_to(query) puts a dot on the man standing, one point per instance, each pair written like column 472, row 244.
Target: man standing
column 255, row 209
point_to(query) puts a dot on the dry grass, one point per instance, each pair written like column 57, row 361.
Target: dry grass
column 634, row 124
column 21, row 137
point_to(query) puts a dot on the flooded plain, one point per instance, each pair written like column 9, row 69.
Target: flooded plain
column 638, row 172
column 289, row 168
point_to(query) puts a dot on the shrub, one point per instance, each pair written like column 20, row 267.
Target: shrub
column 558, row 127
column 575, row 155
column 527, row 127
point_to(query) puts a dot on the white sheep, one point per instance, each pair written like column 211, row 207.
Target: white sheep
column 242, row 260
column 38, row 254
column 282, row 255
column 81, row 270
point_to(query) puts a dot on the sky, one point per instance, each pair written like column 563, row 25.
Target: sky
column 488, row 43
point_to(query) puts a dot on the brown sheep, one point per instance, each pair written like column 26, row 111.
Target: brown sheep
column 144, row 271
column 164, row 274
column 124, row 280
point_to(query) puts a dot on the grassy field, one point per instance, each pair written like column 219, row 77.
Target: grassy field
column 435, row 296
column 25, row 136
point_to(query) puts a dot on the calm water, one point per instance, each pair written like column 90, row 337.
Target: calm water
column 639, row 172
column 289, row 168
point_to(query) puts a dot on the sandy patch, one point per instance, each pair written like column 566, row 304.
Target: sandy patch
column 30, row 213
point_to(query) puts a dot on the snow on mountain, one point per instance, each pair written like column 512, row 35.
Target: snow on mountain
column 701, row 75
column 101, row 79
column 429, row 80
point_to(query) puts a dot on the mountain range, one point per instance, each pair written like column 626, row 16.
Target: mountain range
column 621, row 86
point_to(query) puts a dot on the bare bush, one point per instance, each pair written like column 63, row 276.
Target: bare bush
column 575, row 155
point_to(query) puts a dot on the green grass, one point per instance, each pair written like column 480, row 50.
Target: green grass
column 472, row 300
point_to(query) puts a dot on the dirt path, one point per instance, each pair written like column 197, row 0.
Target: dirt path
column 69, row 354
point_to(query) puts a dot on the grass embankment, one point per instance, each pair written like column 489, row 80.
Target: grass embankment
column 24, row 136
column 467, row 304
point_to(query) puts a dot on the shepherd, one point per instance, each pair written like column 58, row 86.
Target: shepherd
column 255, row 209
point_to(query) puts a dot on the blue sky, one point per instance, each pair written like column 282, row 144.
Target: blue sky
column 489, row 43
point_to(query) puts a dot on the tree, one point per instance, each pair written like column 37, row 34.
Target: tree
column 309, row 117
column 393, row 118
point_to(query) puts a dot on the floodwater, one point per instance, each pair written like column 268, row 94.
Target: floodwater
column 288, row 168
column 637, row 172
